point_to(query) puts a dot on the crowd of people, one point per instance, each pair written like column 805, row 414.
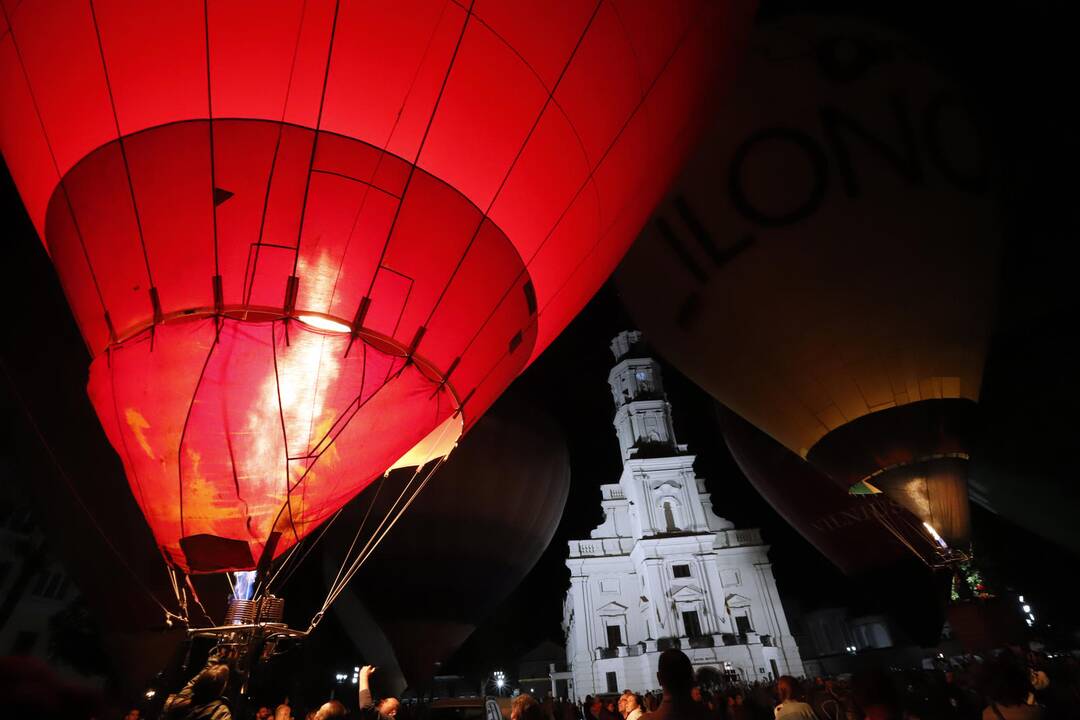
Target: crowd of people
column 1010, row 685
column 203, row 698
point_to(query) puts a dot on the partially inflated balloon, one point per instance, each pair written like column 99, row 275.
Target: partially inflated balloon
column 825, row 265
column 308, row 241
column 847, row 529
column 853, row 532
column 471, row 536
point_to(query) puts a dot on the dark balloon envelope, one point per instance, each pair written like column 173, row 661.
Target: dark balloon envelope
column 826, row 264
column 309, row 241
column 844, row 528
column 471, row 536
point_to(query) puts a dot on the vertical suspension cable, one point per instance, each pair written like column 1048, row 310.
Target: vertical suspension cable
column 249, row 279
column 420, row 146
column 123, row 150
column 385, row 147
column 513, row 163
column 315, row 140
column 210, row 124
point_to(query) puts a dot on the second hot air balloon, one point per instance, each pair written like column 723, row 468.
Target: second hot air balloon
column 828, row 265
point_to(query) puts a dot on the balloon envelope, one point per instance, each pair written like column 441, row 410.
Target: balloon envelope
column 825, row 265
column 309, row 241
column 845, row 528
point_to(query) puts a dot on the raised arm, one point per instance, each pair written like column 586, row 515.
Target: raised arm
column 367, row 702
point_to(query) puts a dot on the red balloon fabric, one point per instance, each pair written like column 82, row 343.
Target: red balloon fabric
column 311, row 240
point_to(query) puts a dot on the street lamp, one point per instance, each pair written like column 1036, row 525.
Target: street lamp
column 1026, row 608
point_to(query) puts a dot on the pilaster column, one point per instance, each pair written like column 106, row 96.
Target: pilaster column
column 657, row 587
column 715, row 592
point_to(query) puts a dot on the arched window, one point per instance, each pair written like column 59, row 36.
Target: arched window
column 669, row 518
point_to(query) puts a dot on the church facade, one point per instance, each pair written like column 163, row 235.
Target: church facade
column 663, row 570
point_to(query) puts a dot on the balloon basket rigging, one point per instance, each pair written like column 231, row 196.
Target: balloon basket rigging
column 925, row 543
column 252, row 631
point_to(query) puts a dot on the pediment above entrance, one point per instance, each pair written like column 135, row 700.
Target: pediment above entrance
column 687, row 592
column 612, row 608
column 736, row 600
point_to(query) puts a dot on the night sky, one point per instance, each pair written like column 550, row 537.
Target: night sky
column 1017, row 57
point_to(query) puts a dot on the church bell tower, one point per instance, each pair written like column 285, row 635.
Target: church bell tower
column 663, row 570
column 642, row 413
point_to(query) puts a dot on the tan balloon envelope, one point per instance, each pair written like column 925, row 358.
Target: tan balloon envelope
column 825, row 265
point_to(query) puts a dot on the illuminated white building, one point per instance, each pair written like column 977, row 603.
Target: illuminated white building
column 663, row 570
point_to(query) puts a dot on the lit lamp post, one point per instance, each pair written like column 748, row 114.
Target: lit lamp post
column 1029, row 615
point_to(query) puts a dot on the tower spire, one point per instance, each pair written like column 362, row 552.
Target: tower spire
column 642, row 413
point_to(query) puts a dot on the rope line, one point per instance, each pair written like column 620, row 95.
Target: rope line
column 375, row 542
column 310, row 546
column 315, row 140
column 390, row 519
column 210, row 123
column 249, row 281
column 420, row 147
column 123, row 148
column 369, row 184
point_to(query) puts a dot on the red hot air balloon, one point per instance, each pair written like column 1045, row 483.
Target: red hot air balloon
column 309, row 241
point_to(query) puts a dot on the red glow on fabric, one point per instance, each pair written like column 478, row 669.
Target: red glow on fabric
column 452, row 183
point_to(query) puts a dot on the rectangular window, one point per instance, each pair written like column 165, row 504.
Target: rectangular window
column 612, row 682
column 680, row 571
column 692, row 624
column 742, row 622
column 775, row 670
column 614, row 636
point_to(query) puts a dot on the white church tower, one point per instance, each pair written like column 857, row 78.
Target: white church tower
column 663, row 570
